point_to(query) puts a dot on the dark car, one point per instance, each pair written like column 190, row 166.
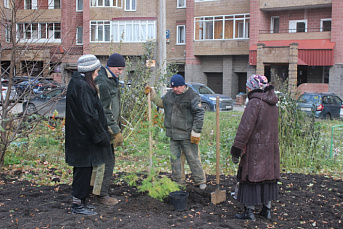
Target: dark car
column 322, row 105
column 209, row 98
column 35, row 86
column 47, row 103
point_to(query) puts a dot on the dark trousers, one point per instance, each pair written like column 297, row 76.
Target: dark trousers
column 81, row 182
column 109, row 166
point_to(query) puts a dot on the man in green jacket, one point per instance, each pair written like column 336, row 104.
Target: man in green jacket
column 184, row 118
column 109, row 92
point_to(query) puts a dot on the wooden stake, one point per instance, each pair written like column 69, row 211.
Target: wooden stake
column 219, row 195
column 150, row 133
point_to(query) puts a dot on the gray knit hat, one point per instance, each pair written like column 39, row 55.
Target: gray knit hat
column 88, row 63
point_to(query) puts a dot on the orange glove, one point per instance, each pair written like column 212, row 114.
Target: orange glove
column 147, row 89
column 195, row 137
column 118, row 139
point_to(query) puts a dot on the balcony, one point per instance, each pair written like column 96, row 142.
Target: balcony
column 272, row 5
column 293, row 34
column 221, row 47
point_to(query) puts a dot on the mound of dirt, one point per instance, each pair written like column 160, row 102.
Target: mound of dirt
column 306, row 201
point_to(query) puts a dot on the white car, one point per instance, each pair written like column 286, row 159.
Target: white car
column 4, row 84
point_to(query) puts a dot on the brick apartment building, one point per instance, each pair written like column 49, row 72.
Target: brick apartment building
column 215, row 42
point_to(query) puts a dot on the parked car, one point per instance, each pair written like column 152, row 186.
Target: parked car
column 4, row 85
column 36, row 86
column 209, row 98
column 47, row 102
column 322, row 105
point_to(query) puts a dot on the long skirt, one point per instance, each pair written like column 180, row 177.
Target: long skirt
column 257, row 194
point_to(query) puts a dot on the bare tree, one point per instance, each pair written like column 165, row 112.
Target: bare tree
column 25, row 42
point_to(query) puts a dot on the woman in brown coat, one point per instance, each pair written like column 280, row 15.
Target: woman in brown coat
column 257, row 144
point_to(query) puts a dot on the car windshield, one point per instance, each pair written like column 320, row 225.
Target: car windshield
column 202, row 89
column 307, row 98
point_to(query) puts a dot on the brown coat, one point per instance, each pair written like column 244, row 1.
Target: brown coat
column 257, row 137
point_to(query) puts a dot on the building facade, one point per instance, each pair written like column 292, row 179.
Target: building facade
column 215, row 42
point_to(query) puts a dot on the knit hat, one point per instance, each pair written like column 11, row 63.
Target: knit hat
column 88, row 63
column 177, row 80
column 116, row 60
column 257, row 82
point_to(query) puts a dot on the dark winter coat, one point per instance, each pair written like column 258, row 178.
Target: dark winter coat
column 87, row 141
column 183, row 113
column 257, row 138
column 109, row 93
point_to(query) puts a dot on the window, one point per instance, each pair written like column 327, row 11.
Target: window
column 79, row 35
column 79, row 5
column 181, row 3
column 39, row 32
column 100, row 31
column 325, row 25
column 133, row 31
column 298, row 26
column 222, row 27
column 121, row 30
column 8, row 33
column 274, row 24
column 181, row 35
column 103, row 3
column 54, row 4
column 6, row 4
column 30, row 4
column 130, row 5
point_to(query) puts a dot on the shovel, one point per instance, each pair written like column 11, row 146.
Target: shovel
column 217, row 196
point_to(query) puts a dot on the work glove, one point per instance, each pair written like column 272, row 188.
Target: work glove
column 117, row 139
column 235, row 153
column 147, row 89
column 235, row 159
column 195, row 137
column 150, row 90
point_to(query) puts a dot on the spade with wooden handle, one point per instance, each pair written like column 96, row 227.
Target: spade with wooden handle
column 217, row 196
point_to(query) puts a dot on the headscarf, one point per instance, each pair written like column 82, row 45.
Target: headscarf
column 257, row 82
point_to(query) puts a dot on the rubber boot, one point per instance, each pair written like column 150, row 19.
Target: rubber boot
column 81, row 209
column 89, row 206
column 265, row 212
column 247, row 214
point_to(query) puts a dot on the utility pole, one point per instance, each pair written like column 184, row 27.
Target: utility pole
column 162, row 40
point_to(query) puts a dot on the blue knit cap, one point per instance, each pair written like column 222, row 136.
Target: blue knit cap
column 177, row 80
column 116, row 60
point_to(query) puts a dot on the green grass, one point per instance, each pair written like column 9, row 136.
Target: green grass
column 40, row 157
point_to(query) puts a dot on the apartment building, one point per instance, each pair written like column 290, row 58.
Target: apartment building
column 215, row 42
column 297, row 40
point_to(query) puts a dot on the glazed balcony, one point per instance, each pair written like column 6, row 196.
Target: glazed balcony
column 271, row 5
column 221, row 47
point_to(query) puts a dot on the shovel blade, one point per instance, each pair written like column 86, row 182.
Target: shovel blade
column 218, row 196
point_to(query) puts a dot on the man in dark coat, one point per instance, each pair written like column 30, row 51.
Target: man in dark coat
column 87, row 140
column 109, row 92
column 184, row 119
column 257, row 144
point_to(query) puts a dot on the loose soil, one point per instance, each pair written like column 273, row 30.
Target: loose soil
column 306, row 201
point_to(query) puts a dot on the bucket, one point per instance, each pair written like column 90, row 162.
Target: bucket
column 179, row 200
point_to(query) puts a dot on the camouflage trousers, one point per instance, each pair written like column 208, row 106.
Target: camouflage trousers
column 191, row 153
